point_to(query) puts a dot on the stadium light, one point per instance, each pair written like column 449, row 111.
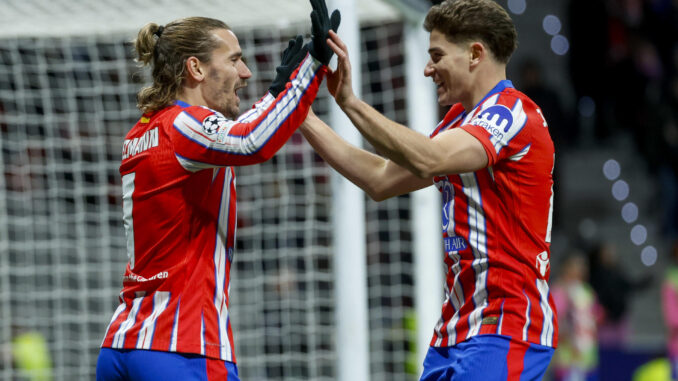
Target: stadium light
column 629, row 212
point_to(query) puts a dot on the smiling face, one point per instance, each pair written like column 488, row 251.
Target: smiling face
column 226, row 73
column 449, row 68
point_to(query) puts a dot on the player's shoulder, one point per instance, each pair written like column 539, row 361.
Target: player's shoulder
column 200, row 118
column 199, row 113
column 514, row 99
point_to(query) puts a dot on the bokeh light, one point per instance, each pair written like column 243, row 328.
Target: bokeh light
column 630, row 212
column 648, row 256
column 638, row 235
column 611, row 169
column 560, row 45
column 517, row 6
column 551, row 25
column 620, row 190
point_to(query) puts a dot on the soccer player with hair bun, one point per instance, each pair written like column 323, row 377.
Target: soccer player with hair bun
column 179, row 193
column 492, row 159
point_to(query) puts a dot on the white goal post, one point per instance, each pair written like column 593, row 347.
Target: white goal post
column 67, row 97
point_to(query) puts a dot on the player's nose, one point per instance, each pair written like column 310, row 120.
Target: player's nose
column 428, row 69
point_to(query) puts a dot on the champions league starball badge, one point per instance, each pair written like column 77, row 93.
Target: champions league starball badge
column 212, row 123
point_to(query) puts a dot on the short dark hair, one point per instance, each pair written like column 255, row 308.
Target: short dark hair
column 166, row 49
column 465, row 20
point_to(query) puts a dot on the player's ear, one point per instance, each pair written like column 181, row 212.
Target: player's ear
column 195, row 69
column 476, row 53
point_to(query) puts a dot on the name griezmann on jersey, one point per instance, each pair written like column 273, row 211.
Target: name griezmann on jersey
column 131, row 147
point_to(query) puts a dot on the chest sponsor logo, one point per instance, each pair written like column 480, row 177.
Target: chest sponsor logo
column 497, row 120
column 454, row 243
column 213, row 123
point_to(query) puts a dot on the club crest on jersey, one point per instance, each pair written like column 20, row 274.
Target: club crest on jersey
column 497, row 120
column 543, row 263
column 212, row 123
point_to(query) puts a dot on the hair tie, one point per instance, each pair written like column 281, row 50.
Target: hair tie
column 159, row 31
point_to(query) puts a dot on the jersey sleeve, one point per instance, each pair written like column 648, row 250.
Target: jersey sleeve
column 203, row 138
column 501, row 130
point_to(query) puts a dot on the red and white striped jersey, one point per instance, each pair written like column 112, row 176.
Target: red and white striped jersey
column 179, row 214
column 497, row 225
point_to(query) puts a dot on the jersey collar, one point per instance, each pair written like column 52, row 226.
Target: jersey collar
column 501, row 86
column 181, row 104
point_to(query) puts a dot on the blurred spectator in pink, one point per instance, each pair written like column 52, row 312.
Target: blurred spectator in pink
column 578, row 311
column 670, row 307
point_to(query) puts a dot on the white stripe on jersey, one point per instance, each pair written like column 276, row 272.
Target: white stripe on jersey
column 501, row 318
column 119, row 338
column 258, row 108
column 456, row 297
column 175, row 329
column 192, row 128
column 527, row 316
column 549, row 225
column 191, row 165
column 521, row 154
column 117, row 313
column 202, row 334
column 220, row 258
column 547, row 329
column 478, row 244
column 127, row 218
column 145, row 338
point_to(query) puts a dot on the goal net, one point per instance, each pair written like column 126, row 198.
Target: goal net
column 68, row 89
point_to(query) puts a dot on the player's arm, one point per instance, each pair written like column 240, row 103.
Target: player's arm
column 453, row 151
column 258, row 134
column 378, row 177
column 204, row 139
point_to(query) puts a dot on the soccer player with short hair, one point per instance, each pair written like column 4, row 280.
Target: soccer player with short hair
column 179, row 193
column 492, row 159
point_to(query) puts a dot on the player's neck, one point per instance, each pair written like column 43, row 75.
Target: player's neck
column 486, row 78
column 192, row 96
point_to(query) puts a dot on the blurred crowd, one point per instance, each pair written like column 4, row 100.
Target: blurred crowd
column 623, row 66
column 624, row 58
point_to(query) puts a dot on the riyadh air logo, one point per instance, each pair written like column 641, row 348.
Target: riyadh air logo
column 454, row 243
column 543, row 263
column 212, row 123
column 497, row 120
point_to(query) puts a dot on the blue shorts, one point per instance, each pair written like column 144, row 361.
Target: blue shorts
column 487, row 357
column 143, row 365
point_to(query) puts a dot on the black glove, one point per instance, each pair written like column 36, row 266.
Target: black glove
column 321, row 23
column 291, row 58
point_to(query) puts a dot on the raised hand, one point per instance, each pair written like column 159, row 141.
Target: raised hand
column 291, row 57
column 339, row 81
column 321, row 24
